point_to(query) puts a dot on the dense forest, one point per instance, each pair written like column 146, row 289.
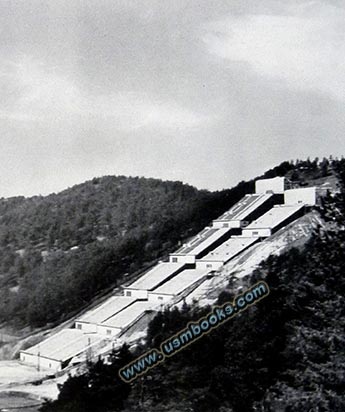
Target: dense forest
column 285, row 354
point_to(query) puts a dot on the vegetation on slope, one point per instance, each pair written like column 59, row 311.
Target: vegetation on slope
column 286, row 353
column 58, row 251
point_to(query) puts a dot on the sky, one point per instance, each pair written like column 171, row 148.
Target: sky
column 204, row 92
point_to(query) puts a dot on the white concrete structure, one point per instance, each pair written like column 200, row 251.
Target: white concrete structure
column 228, row 250
column 208, row 264
column 274, row 185
column 114, row 325
column 135, row 293
column 88, row 322
column 305, row 195
column 200, row 244
column 181, row 258
column 171, row 281
column 240, row 214
column 273, row 220
column 176, row 285
column 153, row 279
column 55, row 352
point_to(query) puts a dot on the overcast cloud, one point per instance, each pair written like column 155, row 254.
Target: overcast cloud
column 207, row 92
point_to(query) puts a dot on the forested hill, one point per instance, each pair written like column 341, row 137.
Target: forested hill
column 58, row 251
column 283, row 354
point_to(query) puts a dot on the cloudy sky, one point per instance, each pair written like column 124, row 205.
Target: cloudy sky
column 209, row 92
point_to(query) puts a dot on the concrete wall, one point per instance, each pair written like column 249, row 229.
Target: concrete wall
column 44, row 363
column 275, row 185
column 135, row 293
column 305, row 195
column 157, row 299
column 207, row 264
column 257, row 232
column 182, row 258
column 86, row 327
column 235, row 224
column 108, row 331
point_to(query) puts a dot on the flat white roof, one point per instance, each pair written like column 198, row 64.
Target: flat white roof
column 202, row 241
column 230, row 248
column 181, row 281
column 245, row 207
column 107, row 309
column 64, row 345
column 128, row 315
column 155, row 276
column 274, row 217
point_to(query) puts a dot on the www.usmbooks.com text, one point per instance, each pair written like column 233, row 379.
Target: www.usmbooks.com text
column 193, row 332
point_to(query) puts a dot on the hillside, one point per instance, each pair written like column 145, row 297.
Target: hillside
column 57, row 252
column 286, row 353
